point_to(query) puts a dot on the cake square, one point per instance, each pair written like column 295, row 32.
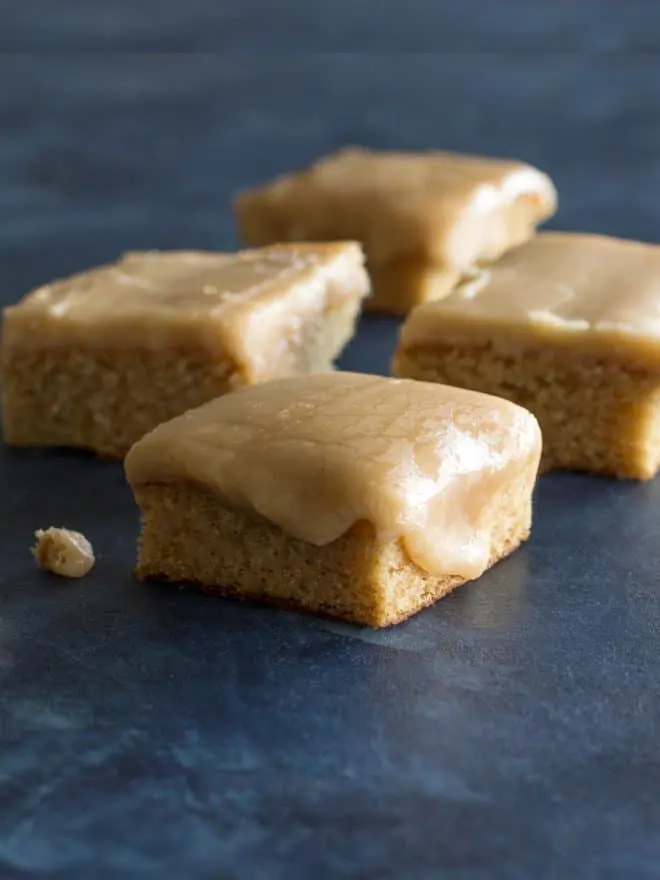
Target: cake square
column 409, row 210
column 98, row 359
column 568, row 326
column 354, row 496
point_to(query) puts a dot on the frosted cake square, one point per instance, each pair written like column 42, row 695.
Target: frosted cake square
column 98, row 359
column 425, row 219
column 568, row 326
column 354, row 496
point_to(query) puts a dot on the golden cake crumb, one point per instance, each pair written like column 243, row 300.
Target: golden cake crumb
column 63, row 552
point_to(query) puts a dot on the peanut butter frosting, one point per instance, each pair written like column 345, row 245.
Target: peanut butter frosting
column 315, row 455
column 246, row 305
column 441, row 207
column 587, row 292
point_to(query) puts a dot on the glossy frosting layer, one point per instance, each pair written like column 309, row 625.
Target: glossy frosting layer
column 247, row 304
column 419, row 461
column 441, row 207
column 586, row 291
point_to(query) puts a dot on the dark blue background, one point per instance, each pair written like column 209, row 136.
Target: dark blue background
column 511, row 731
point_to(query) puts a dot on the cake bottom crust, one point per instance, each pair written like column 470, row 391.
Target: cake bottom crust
column 191, row 538
column 595, row 414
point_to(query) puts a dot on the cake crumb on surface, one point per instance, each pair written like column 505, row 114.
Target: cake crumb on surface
column 63, row 552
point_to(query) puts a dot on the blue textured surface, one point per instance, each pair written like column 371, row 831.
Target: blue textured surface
column 509, row 732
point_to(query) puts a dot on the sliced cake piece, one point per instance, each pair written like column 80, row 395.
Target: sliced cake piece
column 354, row 496
column 99, row 359
column 425, row 219
column 567, row 325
